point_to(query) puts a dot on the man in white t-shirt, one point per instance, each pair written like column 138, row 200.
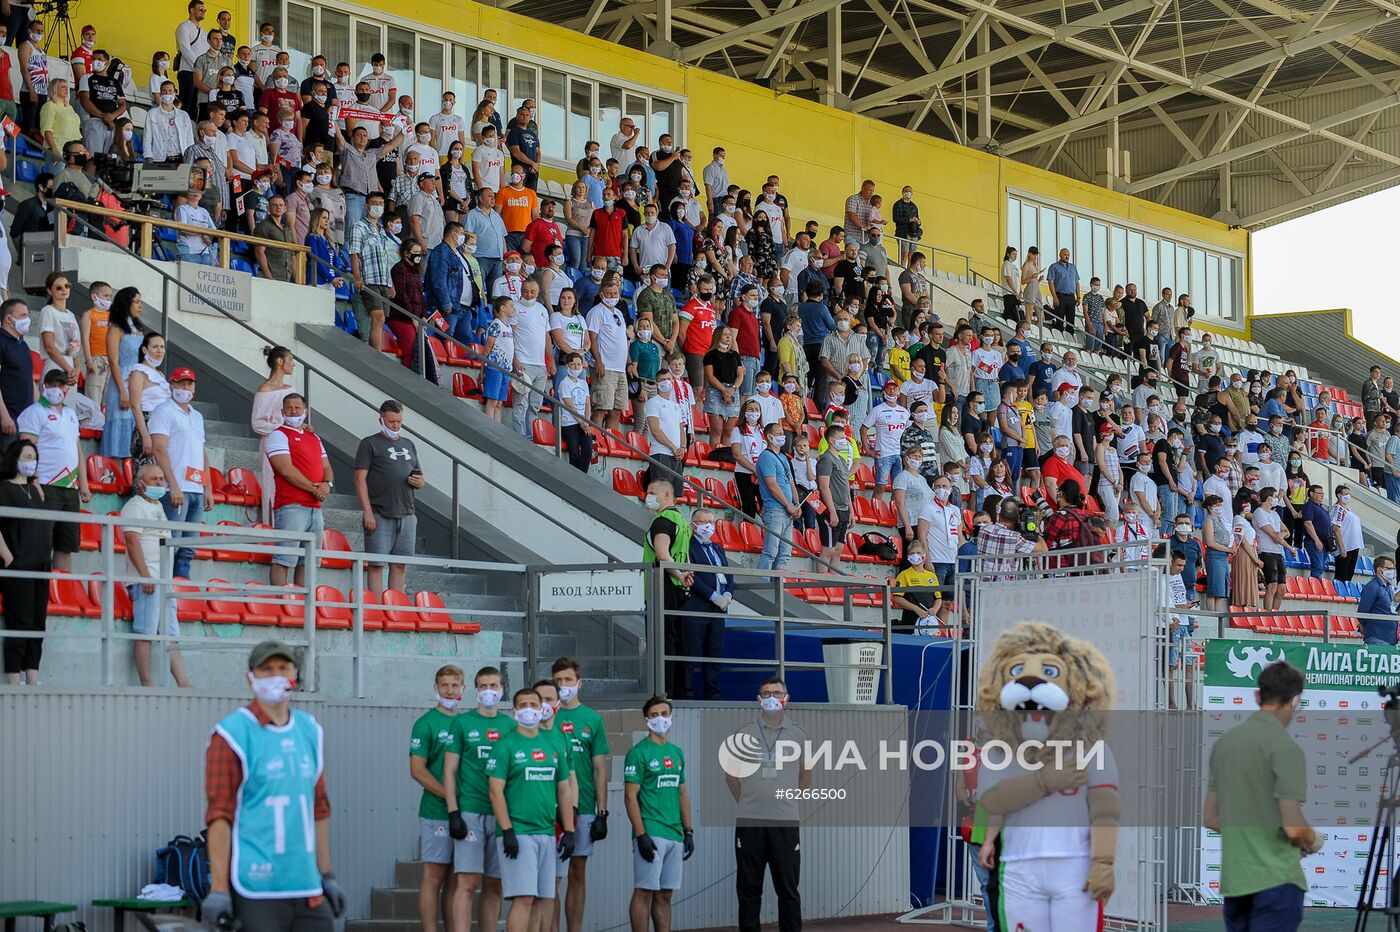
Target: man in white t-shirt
column 607, row 340
column 447, row 126
column 143, row 559
column 653, row 243
column 532, row 361
column 918, row 387
column 572, row 390
column 884, row 426
column 488, row 162
column 1346, row 526
column 53, row 427
column 1218, row 484
column 940, row 528
column 1048, row 860
column 665, row 420
column 1143, row 492
column 1067, row 380
column 382, row 89
column 422, row 144
column 177, row 433
column 196, row 247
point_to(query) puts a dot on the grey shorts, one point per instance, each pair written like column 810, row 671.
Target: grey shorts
column 477, row 853
column 532, row 872
column 296, row 518
column 610, row 391
column 398, row 537
column 434, row 844
column 583, row 845
column 664, row 871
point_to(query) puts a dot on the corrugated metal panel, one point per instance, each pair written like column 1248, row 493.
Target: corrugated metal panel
column 93, row 782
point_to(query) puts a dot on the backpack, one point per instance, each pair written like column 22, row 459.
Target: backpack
column 184, row 863
column 878, row 546
column 1083, row 538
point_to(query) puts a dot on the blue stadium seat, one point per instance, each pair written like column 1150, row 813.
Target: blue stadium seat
column 242, row 265
column 1366, row 565
column 1295, row 561
column 166, row 234
column 627, row 289
column 25, row 146
column 137, row 145
column 27, row 171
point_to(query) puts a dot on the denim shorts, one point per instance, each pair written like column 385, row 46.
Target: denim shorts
column 299, row 518
column 886, row 468
column 144, row 608
column 714, row 403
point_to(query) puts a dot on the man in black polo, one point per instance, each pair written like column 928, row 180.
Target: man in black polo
column 16, row 368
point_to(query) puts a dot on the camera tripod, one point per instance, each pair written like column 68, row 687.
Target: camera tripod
column 58, row 24
column 1381, row 854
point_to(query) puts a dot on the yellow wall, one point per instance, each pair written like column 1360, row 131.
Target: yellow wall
column 822, row 154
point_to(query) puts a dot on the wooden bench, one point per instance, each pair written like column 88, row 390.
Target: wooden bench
column 15, row 910
column 137, row 905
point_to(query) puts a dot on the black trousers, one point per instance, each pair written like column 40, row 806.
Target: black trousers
column 776, row 848
column 284, row 915
column 677, row 684
column 579, row 443
column 747, row 484
column 816, row 373
column 26, row 609
column 1011, row 308
column 670, row 470
column 1344, row 566
column 1064, row 309
column 189, row 93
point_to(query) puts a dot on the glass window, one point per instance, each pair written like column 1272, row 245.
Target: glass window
column 1213, row 285
column 524, row 85
column 1030, row 233
column 1084, row 247
column 269, row 11
column 663, row 120
column 1198, row 280
column 493, row 76
column 1183, row 271
column 580, row 116
column 609, row 116
column 300, row 39
column 1013, row 225
column 1135, row 261
column 1227, row 288
column 1150, row 290
column 1066, row 237
column 335, row 40
column 1100, row 267
column 430, row 78
column 1118, row 258
column 1168, row 267
column 1048, row 230
column 398, row 60
column 465, row 62
column 369, row 39
column 553, row 110
column 635, row 106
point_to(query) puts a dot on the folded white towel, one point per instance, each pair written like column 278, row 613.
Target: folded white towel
column 162, row 891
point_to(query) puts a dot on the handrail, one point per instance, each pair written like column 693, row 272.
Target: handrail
column 307, row 369
column 147, row 224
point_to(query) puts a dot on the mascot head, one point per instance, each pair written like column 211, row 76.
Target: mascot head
column 1038, row 684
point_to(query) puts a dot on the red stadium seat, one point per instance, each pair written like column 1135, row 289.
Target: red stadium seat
column 223, row 603
column 887, row 515
column 399, row 615
column 90, row 535
column 390, row 343
column 753, row 537
column 812, row 412
column 333, row 540
column 865, row 476
column 105, row 474
column 637, row 440
column 439, row 350
column 270, row 614
column 121, row 607
column 374, row 616
column 38, row 362
column 331, row 611
column 728, row 536
column 625, row 482
column 68, row 597
column 464, row 386
column 243, row 482
column 542, row 432
column 217, row 482
column 457, row 355
column 432, row 613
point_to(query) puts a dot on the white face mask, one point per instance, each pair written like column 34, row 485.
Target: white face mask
column 546, row 712
column 765, row 388
column 54, row 395
column 27, row 468
column 167, row 98
column 772, row 704
column 528, row 717
column 488, row 698
column 271, row 689
column 703, row 532
column 182, row 396
column 1064, row 453
column 294, row 420
column 609, row 302
column 752, row 416
column 942, row 494
column 448, row 704
column 569, row 693
column 659, row 724
column 384, row 429
column 916, row 559
column 644, row 335
column 577, row 372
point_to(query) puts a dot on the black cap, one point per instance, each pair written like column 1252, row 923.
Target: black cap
column 266, row 650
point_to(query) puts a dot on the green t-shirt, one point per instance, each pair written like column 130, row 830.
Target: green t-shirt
column 432, row 737
column 1252, row 767
column 589, row 738
column 531, row 767
column 474, row 736
column 660, row 770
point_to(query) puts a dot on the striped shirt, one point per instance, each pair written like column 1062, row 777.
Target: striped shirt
column 376, row 250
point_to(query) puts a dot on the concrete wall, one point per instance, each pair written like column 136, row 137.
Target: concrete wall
column 106, row 777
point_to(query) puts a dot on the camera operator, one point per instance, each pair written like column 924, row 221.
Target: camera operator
column 1006, row 539
column 1067, row 528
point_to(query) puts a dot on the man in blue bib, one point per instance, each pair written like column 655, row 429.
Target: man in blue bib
column 268, row 814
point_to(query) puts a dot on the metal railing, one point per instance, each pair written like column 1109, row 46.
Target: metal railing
column 308, row 370
column 777, row 583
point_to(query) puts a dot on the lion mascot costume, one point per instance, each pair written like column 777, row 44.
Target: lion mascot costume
column 1058, row 824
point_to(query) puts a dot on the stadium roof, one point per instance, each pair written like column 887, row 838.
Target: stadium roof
column 1250, row 111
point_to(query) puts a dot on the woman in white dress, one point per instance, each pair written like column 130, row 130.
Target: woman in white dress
column 1031, row 277
column 267, row 415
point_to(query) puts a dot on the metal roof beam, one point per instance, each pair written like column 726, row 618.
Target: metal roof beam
column 796, row 14
column 1320, row 198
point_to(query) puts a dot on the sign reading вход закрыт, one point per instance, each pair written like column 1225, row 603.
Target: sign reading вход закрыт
column 1349, row 667
column 602, row 591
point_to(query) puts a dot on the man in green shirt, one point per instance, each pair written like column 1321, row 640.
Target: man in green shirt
column 658, row 806
column 655, row 299
column 475, row 735
column 591, row 754
column 428, row 745
column 1258, row 783
column 529, row 776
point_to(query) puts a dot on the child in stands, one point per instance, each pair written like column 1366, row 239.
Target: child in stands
column 499, row 351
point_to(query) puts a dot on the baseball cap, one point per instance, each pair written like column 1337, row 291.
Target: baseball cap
column 55, row 375
column 182, row 375
column 266, row 650
column 424, row 176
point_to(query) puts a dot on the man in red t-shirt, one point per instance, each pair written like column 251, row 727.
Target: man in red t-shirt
column 698, row 321
column 302, row 480
column 607, row 232
column 542, row 233
column 1059, row 467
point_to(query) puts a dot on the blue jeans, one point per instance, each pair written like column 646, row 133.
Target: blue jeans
column 576, row 251
column 1317, row 558
column 1277, row 909
column 1014, row 461
column 1093, row 336
column 1171, row 506
column 354, row 209
column 461, row 326
column 207, row 256
column 1164, row 346
column 750, row 364
column 984, row 877
column 191, row 512
column 491, row 270
column 778, row 529
column 1392, row 488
